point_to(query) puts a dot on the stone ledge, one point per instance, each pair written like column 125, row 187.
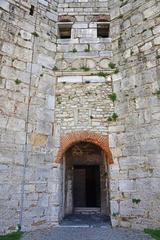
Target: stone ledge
column 83, row 79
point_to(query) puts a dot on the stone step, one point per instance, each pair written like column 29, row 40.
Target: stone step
column 85, row 210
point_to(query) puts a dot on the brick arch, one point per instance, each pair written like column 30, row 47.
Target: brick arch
column 101, row 18
column 70, row 139
column 66, row 18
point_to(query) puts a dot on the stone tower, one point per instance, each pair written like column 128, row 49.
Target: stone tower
column 79, row 86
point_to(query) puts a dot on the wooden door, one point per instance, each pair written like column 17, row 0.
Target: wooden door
column 79, row 189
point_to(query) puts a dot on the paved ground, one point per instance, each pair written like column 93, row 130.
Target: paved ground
column 85, row 228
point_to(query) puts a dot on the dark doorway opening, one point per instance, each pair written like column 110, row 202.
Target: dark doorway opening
column 85, row 181
column 86, row 186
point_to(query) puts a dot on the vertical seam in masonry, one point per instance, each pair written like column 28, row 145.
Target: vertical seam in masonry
column 26, row 130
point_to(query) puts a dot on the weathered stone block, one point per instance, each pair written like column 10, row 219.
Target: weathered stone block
column 4, row 4
column 46, row 61
column 127, row 185
column 37, row 139
column 70, row 79
column 25, row 35
column 8, row 48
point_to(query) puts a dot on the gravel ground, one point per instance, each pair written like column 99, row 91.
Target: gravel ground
column 85, row 233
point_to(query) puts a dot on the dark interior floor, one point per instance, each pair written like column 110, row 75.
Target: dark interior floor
column 93, row 220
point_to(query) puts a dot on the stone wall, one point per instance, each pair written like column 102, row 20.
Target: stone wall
column 82, row 70
column 84, row 48
column 83, row 74
column 27, row 83
column 79, row 105
column 31, row 128
column 135, row 138
column 51, row 86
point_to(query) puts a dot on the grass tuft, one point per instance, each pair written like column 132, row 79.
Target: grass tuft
column 85, row 68
column 155, row 233
column 102, row 74
column 114, row 116
column 35, row 34
column 112, row 65
column 74, row 50
column 157, row 93
column 112, row 96
column 12, row 236
column 17, row 81
column 55, row 68
column 136, row 201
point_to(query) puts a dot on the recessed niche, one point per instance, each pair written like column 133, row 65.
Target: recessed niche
column 31, row 12
column 64, row 29
column 103, row 30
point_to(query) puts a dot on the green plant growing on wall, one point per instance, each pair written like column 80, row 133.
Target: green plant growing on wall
column 116, row 71
column 114, row 116
column 73, row 69
column 158, row 56
column 157, row 93
column 17, row 81
column 85, row 68
column 74, row 50
column 87, row 49
column 109, row 119
column 151, row 170
column 136, row 201
column 102, row 74
column 115, row 214
column 70, row 97
column 55, row 68
column 112, row 65
column 88, row 93
column 58, row 99
column 120, row 16
column 112, row 97
column 35, row 34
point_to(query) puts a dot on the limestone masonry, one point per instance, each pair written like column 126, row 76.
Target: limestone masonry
column 79, row 71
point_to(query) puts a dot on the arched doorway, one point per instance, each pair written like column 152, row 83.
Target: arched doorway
column 85, row 158
column 86, row 180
